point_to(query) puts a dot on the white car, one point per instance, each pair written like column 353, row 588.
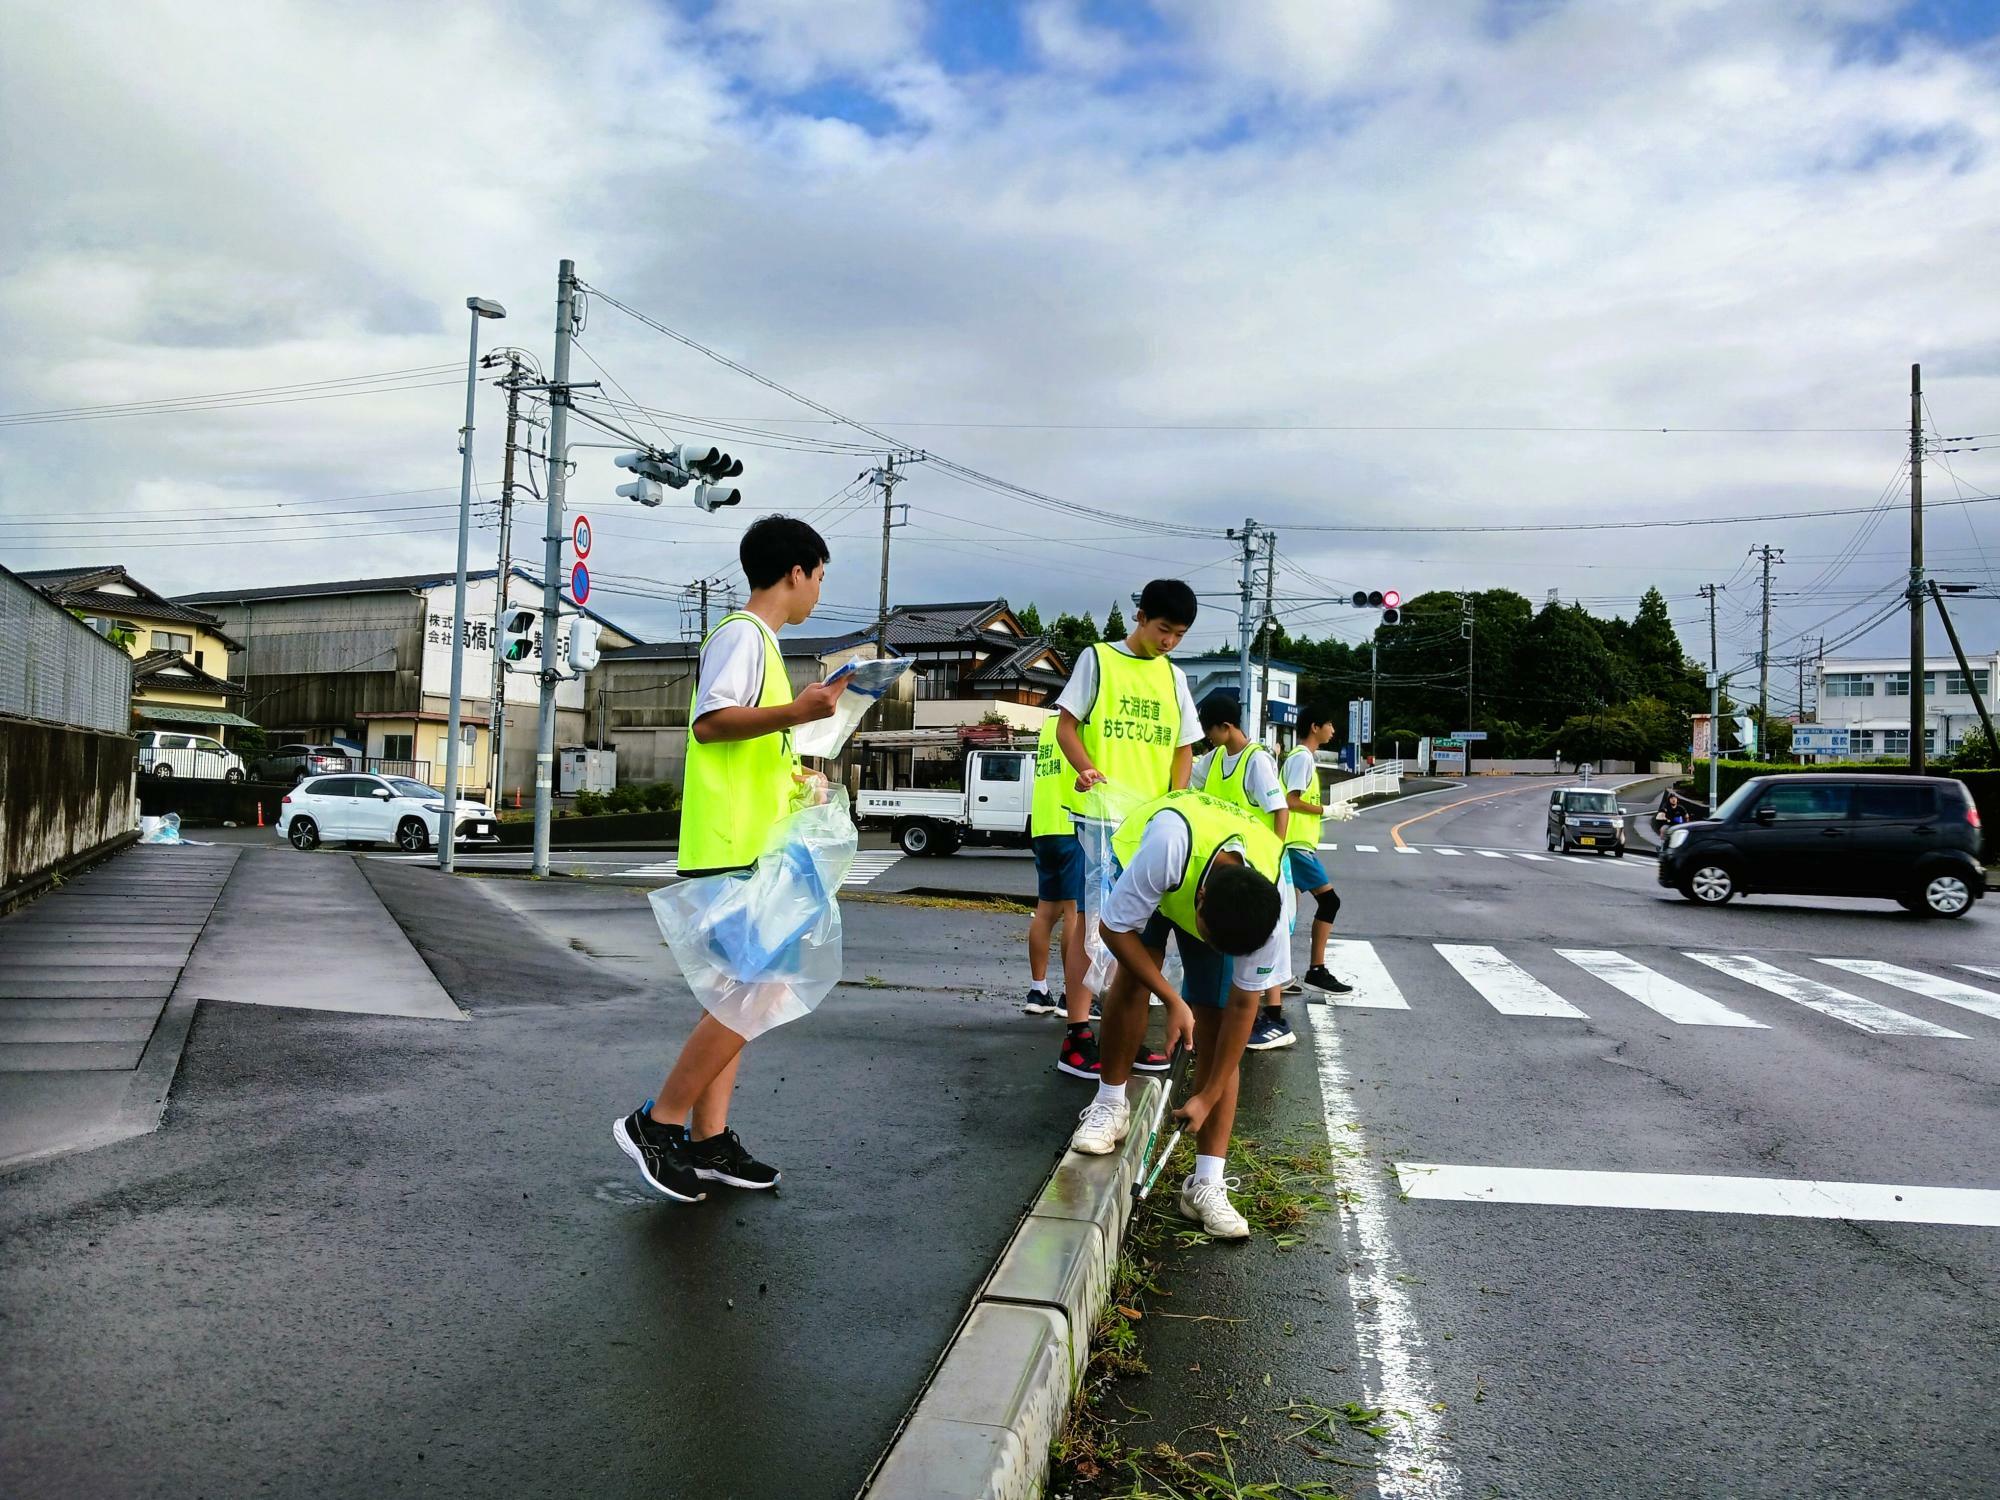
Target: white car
column 165, row 755
column 377, row 810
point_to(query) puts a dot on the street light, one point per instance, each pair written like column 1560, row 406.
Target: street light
column 448, row 819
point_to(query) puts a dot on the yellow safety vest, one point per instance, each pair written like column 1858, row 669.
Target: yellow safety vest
column 1048, row 818
column 1213, row 826
column 1134, row 724
column 736, row 790
column 1304, row 830
column 1234, row 786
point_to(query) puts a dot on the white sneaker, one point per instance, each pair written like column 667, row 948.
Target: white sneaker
column 1295, row 988
column 1207, row 1203
column 1104, row 1126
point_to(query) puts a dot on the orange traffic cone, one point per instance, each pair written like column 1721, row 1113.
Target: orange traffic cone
column 517, row 797
column 260, row 815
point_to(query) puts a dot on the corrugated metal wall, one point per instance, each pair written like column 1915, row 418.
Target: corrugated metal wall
column 57, row 669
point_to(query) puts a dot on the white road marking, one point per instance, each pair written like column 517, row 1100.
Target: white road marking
column 1503, row 984
column 664, row 867
column 1656, row 992
column 1366, row 849
column 1454, row 853
column 1540, row 859
column 1358, row 963
column 1824, row 998
column 1329, row 846
column 1490, row 854
column 1778, row 1197
column 869, row 864
column 1930, row 986
column 1406, row 849
column 1987, row 969
column 1397, row 1372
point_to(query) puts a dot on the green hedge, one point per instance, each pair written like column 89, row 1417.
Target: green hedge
column 1984, row 785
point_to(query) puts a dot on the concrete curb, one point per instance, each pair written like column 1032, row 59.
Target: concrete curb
column 983, row 1426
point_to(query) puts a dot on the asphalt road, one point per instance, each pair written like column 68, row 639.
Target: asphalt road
column 1544, row 1349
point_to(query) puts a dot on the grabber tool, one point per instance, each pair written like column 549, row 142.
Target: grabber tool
column 1179, row 1073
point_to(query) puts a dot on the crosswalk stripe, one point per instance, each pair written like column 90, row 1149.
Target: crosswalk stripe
column 1656, row 992
column 1357, row 962
column 1329, row 846
column 1930, row 986
column 1453, row 853
column 1987, row 969
column 1865, row 1015
column 1491, row 854
column 869, row 864
column 1406, row 849
column 1504, row 984
column 1540, row 859
column 1366, row 849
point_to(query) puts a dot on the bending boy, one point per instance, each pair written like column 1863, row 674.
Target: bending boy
column 1205, row 873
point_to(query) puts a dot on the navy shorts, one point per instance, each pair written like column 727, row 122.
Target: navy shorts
column 1058, row 867
column 1205, row 980
column 1308, row 872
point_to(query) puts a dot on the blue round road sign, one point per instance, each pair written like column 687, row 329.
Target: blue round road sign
column 579, row 583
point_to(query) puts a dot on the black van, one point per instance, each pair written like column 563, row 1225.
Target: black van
column 1913, row 839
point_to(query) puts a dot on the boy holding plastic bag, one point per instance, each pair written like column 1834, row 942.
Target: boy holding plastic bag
column 1205, row 872
column 743, row 784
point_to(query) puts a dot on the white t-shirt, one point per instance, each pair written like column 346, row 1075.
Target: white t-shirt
column 1080, row 692
column 1157, row 867
column 1260, row 780
column 1302, row 775
column 731, row 674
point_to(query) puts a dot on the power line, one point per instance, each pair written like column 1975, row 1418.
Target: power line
column 357, row 385
column 1791, row 515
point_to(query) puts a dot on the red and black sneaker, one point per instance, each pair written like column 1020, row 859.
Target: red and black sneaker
column 1078, row 1056
column 1149, row 1061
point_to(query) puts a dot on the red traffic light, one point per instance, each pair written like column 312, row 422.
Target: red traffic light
column 1391, row 599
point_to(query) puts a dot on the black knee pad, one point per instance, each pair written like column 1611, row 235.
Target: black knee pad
column 1329, row 905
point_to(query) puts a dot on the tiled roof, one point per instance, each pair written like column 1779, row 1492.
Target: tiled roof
column 1016, row 663
column 183, row 673
column 790, row 645
column 83, row 589
column 401, row 584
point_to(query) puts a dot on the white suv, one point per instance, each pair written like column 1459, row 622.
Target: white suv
column 166, row 755
column 377, row 810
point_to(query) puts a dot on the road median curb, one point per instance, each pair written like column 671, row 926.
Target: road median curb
column 983, row 1425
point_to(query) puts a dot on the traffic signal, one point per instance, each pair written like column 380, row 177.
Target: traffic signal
column 517, row 629
column 655, row 474
column 708, row 465
column 1746, row 733
column 1387, row 600
column 583, row 634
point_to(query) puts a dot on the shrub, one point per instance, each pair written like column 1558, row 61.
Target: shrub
column 588, row 804
column 626, row 797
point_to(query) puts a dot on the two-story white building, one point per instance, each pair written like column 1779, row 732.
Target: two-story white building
column 1870, row 698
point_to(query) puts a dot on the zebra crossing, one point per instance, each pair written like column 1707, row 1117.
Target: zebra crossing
column 1521, row 854
column 1504, row 983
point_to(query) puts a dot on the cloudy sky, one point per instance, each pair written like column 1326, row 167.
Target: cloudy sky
column 1354, row 265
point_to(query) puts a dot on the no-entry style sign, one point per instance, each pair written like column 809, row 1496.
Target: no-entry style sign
column 579, row 537
column 579, row 584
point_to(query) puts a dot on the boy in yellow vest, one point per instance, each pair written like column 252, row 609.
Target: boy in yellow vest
column 1245, row 774
column 1204, row 872
column 1308, row 871
column 740, row 780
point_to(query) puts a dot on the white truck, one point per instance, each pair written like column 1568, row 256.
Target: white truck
column 993, row 809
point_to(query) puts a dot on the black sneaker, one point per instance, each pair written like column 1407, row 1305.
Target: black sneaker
column 1041, row 1003
column 662, row 1153
column 1149, row 1061
column 721, row 1158
column 1078, row 1055
column 1320, row 979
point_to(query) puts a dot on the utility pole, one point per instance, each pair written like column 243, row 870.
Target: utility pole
column 1374, row 682
column 1917, row 569
column 497, row 709
column 703, row 586
column 1246, row 602
column 552, row 540
column 1264, row 628
column 887, row 477
column 1964, row 667
column 1709, row 591
column 1465, row 615
column 1765, row 550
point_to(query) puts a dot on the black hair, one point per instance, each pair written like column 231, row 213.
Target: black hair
column 774, row 545
column 1239, row 909
column 1220, row 707
column 1168, row 599
column 1317, row 711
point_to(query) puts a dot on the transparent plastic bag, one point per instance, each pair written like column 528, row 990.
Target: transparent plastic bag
column 160, row 830
column 866, row 682
column 763, row 948
column 1105, row 807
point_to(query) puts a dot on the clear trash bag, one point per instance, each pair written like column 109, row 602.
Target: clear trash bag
column 1105, row 807
column 161, row 830
column 763, row 948
column 866, row 682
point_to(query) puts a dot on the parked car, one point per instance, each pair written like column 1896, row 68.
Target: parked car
column 294, row 763
column 1912, row 839
column 196, row 756
column 993, row 809
column 377, row 810
column 1586, row 817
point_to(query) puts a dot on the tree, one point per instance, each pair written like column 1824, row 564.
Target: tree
column 1073, row 635
column 1031, row 619
column 1975, row 752
column 1115, row 628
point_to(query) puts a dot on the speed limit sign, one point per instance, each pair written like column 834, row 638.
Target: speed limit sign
column 579, row 536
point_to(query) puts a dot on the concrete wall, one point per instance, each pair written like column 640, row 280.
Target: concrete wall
column 63, row 792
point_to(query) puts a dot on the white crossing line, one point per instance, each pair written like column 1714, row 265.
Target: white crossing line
column 664, row 867
column 1406, row 849
column 1491, row 854
column 1778, row 1197
column 1453, row 853
column 1357, row 962
column 1656, row 992
column 869, row 864
column 1366, row 849
column 1987, row 969
column 1329, row 846
column 1540, row 859
column 1504, row 984
column 1824, row 998
column 1930, row 986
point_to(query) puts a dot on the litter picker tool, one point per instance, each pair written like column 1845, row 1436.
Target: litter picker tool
column 1179, row 1074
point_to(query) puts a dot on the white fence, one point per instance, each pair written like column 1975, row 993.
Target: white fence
column 1385, row 776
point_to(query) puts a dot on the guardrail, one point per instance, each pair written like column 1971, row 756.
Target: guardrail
column 1385, row 776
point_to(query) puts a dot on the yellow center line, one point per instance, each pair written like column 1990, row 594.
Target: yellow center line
column 1396, row 833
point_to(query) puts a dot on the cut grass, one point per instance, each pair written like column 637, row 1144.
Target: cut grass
column 938, row 903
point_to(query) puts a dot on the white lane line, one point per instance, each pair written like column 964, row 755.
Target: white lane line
column 1329, row 846
column 1504, row 984
column 1366, row 849
column 1540, row 859
column 1490, row 854
column 1865, row 1015
column 1452, row 853
column 1406, row 849
column 1931, row 986
column 1656, row 992
column 1360, row 965
column 1396, row 1371
column 1777, row 1197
